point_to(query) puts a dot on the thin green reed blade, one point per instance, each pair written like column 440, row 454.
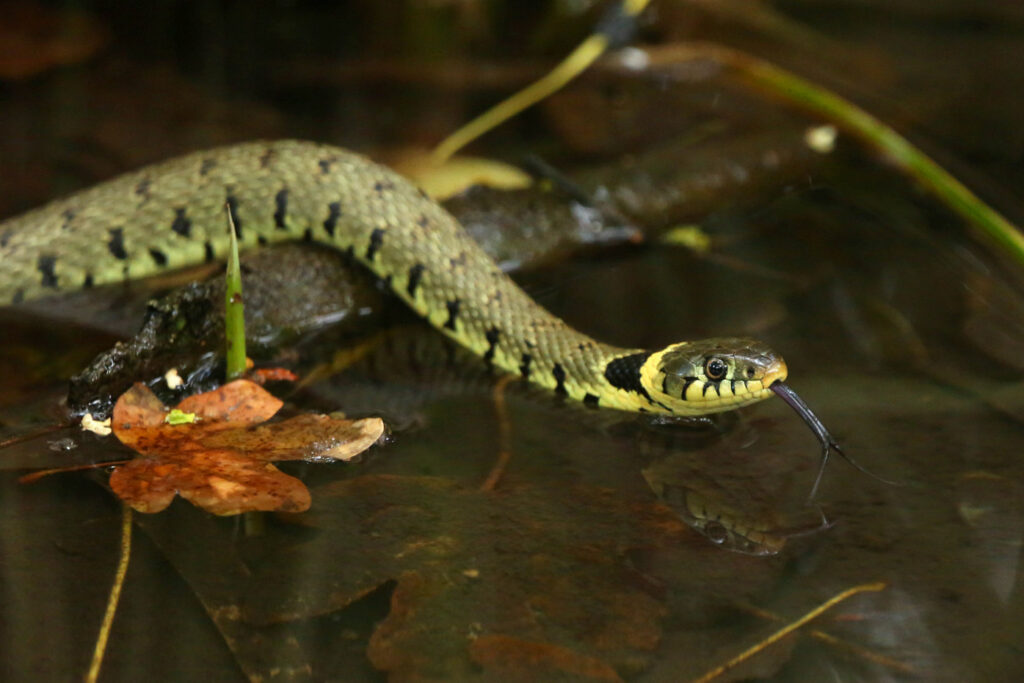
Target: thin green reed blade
column 234, row 309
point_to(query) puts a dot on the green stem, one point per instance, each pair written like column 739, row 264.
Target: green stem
column 578, row 61
column 234, row 310
column 781, row 84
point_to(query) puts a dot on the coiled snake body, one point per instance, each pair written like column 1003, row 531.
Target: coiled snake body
column 172, row 214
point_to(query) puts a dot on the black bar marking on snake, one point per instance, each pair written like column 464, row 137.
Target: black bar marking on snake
column 524, row 365
column 159, row 257
column 207, row 166
column 376, row 240
column 380, row 186
column 19, row 296
column 5, row 238
column 68, row 215
column 211, row 255
column 492, row 335
column 232, row 202
column 333, row 214
column 116, row 243
column 142, row 188
column 624, row 372
column 307, row 235
column 281, row 202
column 87, row 283
column 262, row 240
column 415, row 274
column 558, row 372
column 181, row 225
column 708, row 385
column 732, row 385
column 325, row 165
column 46, row 265
column 453, row 313
column 591, row 400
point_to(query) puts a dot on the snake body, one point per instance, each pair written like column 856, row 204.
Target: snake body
column 172, row 214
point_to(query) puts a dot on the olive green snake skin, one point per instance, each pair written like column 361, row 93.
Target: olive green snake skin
column 172, row 214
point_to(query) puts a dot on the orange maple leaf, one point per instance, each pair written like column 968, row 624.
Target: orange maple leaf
column 221, row 462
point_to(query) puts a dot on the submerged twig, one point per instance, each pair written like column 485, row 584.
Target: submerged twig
column 32, row 435
column 785, row 631
column 115, row 596
column 504, row 435
column 39, row 474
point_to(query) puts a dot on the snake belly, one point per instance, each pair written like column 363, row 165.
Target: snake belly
column 172, row 214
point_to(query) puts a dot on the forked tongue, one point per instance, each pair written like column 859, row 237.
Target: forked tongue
column 828, row 442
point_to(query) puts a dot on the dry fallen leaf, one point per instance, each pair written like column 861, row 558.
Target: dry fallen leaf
column 222, row 461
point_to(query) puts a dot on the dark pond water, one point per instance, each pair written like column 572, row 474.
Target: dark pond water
column 904, row 335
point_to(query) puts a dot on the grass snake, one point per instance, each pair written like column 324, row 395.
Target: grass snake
column 172, row 214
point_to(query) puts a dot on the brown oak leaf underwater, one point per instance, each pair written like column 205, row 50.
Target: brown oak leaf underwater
column 222, row 461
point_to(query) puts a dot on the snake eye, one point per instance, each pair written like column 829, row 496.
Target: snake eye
column 715, row 368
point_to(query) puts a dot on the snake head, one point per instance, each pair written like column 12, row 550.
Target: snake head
column 712, row 375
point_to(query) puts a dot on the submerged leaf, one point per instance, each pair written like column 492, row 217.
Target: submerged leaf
column 222, row 461
column 221, row 482
column 518, row 659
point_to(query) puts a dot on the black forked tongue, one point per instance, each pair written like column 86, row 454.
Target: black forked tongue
column 828, row 442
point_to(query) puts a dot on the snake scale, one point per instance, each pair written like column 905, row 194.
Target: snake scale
column 172, row 214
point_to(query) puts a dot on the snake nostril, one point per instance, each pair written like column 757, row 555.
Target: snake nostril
column 750, row 372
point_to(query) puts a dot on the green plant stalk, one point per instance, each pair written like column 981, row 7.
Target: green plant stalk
column 234, row 310
column 784, row 85
column 578, row 61
column 899, row 151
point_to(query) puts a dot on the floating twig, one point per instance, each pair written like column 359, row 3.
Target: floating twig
column 115, row 596
column 824, row 637
column 785, row 631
